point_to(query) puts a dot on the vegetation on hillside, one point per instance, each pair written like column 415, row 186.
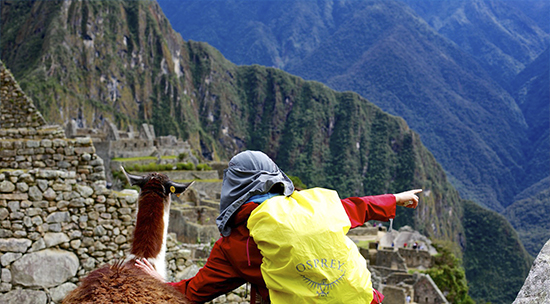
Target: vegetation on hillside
column 530, row 217
column 495, row 261
column 448, row 274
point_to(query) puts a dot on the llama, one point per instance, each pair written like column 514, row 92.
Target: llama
column 123, row 282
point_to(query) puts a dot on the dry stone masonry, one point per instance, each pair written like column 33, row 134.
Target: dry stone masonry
column 17, row 110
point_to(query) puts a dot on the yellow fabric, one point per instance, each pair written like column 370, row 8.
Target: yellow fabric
column 307, row 257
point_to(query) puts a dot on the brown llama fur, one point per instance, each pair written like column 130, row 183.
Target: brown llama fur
column 149, row 230
column 123, row 283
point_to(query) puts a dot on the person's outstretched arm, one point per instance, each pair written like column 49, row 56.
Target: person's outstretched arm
column 378, row 207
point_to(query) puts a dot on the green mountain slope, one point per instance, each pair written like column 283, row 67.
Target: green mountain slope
column 531, row 89
column 498, row 34
column 496, row 261
column 387, row 53
column 529, row 214
column 144, row 72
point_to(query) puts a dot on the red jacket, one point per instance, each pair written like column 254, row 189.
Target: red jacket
column 235, row 259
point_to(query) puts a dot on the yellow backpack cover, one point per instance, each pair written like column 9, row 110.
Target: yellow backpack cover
column 307, row 257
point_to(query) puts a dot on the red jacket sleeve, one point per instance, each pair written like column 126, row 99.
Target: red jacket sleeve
column 366, row 208
column 217, row 277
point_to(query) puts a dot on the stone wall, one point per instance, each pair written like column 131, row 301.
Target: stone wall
column 390, row 259
column 135, row 147
column 425, row 291
column 17, row 110
column 415, row 258
column 57, row 225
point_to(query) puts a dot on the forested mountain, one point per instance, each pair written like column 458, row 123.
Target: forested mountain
column 389, row 54
column 91, row 60
column 529, row 214
column 531, row 89
column 499, row 34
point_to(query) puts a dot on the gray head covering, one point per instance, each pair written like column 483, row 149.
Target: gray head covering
column 249, row 173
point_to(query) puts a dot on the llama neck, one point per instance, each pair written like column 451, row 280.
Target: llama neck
column 160, row 260
column 151, row 231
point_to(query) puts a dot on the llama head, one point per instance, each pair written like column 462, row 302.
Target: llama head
column 153, row 212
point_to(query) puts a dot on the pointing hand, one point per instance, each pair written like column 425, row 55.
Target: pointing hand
column 407, row 199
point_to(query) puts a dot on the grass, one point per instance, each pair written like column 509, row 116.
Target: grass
column 129, row 159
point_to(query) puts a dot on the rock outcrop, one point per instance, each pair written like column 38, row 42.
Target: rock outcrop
column 536, row 289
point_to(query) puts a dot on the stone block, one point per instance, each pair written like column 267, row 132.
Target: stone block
column 5, row 233
column 55, row 227
column 33, row 144
column 74, row 234
column 58, row 293
column 99, row 231
column 4, row 287
column 20, row 234
column 53, row 239
column 14, row 245
column 34, row 269
column 42, row 184
column 46, row 143
column 6, row 275
column 6, row 186
column 49, row 174
column 14, row 196
column 24, row 296
column 49, row 194
column 22, row 187
column 62, row 205
column 82, row 150
column 9, row 257
column 77, row 202
column 35, row 194
column 120, row 239
column 14, row 206
column 38, row 245
column 4, row 213
column 75, row 244
column 85, row 191
column 58, row 217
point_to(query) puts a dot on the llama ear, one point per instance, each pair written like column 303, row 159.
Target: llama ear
column 178, row 188
column 134, row 179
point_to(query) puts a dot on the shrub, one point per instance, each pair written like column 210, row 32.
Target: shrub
column 203, row 167
column 185, row 166
column 182, row 156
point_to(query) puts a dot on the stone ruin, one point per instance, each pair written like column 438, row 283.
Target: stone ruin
column 110, row 143
column 58, row 219
column 390, row 256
